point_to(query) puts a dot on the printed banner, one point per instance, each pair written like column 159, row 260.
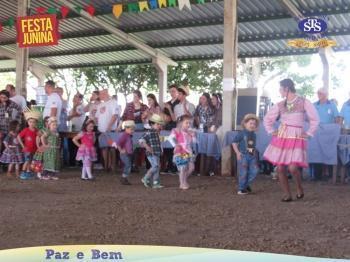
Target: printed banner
column 37, row 30
column 144, row 253
column 303, row 43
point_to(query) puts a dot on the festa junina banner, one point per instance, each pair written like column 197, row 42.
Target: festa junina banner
column 85, row 253
column 37, row 30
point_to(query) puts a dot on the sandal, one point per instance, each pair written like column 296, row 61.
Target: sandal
column 288, row 199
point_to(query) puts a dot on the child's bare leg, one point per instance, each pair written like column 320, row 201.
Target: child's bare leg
column 9, row 170
column 17, row 166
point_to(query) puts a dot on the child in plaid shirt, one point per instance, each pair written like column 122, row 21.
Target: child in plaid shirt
column 151, row 142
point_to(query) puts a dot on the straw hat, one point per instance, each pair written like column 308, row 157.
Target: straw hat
column 185, row 89
column 128, row 123
column 51, row 120
column 248, row 117
column 29, row 113
column 155, row 118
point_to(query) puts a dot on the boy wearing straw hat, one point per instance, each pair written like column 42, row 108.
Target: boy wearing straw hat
column 151, row 142
column 27, row 139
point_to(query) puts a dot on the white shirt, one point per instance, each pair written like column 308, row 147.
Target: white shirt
column 53, row 101
column 78, row 121
column 180, row 111
column 19, row 100
column 104, row 114
column 93, row 110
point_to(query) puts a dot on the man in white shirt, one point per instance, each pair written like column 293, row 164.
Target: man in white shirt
column 106, row 116
column 18, row 99
column 77, row 114
column 53, row 106
column 184, row 107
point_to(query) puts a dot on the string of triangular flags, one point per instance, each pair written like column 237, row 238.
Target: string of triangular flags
column 117, row 9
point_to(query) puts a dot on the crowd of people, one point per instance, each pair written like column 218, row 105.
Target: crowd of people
column 39, row 151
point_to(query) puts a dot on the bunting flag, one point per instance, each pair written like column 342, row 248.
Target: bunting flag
column 52, row 10
column 0, row 27
column 133, row 7
column 143, row 6
column 41, row 10
column 117, row 10
column 153, row 4
column 200, row 1
column 64, row 11
column 90, row 9
column 183, row 3
column 78, row 9
column 171, row 3
column 10, row 22
column 162, row 3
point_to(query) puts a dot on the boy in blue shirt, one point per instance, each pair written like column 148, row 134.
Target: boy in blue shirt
column 244, row 146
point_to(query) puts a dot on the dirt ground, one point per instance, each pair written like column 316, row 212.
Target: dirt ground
column 210, row 214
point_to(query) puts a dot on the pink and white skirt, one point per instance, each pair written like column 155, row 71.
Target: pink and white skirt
column 288, row 147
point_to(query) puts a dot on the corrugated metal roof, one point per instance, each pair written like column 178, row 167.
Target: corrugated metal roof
column 264, row 28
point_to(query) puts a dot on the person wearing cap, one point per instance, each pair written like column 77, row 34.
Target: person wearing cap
column 328, row 114
column 345, row 113
column 151, row 142
column 184, row 107
column 27, row 139
column 326, row 109
column 106, row 116
column 244, row 145
column 125, row 147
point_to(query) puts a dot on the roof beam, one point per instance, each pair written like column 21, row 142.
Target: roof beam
column 122, row 35
column 12, row 55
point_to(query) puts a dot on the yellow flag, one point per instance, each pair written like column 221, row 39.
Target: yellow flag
column 143, row 6
column 117, row 10
column 162, row 3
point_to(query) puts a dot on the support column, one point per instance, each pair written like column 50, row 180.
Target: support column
column 21, row 53
column 229, row 87
column 162, row 70
column 325, row 63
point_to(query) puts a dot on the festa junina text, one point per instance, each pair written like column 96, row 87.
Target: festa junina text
column 37, row 30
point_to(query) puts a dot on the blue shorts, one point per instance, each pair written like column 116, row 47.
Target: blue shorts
column 28, row 157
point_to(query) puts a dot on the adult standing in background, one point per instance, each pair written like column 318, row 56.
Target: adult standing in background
column 53, row 106
column 328, row 114
column 106, row 116
column 135, row 111
column 326, row 109
column 216, row 101
column 184, row 107
column 77, row 114
column 170, row 121
column 91, row 107
column 9, row 111
column 64, row 111
column 287, row 149
column 18, row 99
column 345, row 113
column 204, row 113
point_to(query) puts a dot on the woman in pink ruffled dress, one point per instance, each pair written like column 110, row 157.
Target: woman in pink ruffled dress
column 287, row 149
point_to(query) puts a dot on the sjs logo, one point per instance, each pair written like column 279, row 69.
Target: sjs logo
column 312, row 25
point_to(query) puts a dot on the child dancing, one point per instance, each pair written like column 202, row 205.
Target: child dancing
column 86, row 151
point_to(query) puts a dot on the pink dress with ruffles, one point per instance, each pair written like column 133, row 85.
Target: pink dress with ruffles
column 288, row 147
column 88, row 151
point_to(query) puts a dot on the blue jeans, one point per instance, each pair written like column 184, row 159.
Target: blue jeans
column 126, row 159
column 153, row 172
column 248, row 170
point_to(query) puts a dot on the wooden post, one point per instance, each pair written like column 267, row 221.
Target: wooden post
column 21, row 53
column 162, row 69
column 229, row 87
